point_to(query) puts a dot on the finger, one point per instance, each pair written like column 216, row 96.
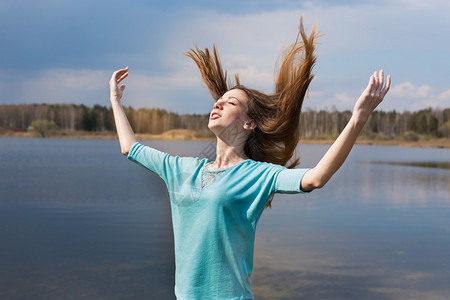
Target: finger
column 371, row 83
column 122, row 77
column 375, row 82
column 125, row 70
column 380, row 80
column 120, row 72
column 387, row 86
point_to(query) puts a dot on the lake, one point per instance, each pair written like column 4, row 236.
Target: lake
column 80, row 221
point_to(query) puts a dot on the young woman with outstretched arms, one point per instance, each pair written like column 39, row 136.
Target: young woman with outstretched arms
column 216, row 204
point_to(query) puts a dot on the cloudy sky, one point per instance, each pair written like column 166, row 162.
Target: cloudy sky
column 64, row 51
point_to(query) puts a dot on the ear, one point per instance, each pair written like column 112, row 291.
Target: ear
column 249, row 125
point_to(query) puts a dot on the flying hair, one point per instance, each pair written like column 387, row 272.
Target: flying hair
column 276, row 115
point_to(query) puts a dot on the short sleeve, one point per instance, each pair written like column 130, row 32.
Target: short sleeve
column 163, row 164
column 288, row 181
column 150, row 158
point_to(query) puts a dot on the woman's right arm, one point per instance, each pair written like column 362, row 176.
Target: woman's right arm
column 124, row 131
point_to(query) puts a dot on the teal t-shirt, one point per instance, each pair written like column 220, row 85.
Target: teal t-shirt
column 214, row 215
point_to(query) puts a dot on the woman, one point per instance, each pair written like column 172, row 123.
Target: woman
column 216, row 204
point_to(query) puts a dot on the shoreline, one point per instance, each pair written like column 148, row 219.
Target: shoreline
column 396, row 143
column 182, row 136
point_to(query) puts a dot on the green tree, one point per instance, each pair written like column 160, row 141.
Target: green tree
column 422, row 123
column 412, row 123
column 374, row 122
column 88, row 121
column 433, row 125
column 43, row 128
column 444, row 130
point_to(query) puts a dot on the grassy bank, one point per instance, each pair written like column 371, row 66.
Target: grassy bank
column 190, row 135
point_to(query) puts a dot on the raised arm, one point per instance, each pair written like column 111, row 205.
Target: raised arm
column 338, row 152
column 124, row 131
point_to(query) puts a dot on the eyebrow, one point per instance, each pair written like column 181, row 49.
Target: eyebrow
column 234, row 98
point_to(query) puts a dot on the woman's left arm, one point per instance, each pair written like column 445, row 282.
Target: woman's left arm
column 338, row 152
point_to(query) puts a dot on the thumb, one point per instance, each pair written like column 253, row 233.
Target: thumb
column 122, row 87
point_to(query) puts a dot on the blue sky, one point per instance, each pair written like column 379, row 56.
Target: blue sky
column 64, row 51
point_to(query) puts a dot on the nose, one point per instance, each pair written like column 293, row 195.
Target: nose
column 218, row 105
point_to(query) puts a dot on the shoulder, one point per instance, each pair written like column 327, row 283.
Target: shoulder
column 144, row 153
column 262, row 166
column 278, row 171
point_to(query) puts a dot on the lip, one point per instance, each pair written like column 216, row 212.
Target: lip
column 214, row 116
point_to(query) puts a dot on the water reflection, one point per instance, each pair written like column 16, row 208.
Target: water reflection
column 422, row 164
column 402, row 185
column 61, row 251
column 376, row 231
column 408, row 183
column 369, row 253
column 275, row 284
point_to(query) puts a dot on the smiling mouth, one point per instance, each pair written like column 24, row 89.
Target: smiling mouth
column 215, row 116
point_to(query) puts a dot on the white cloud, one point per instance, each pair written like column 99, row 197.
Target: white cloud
column 344, row 27
column 407, row 89
column 255, row 78
column 357, row 39
column 63, row 85
column 411, row 97
column 316, row 93
column 91, row 87
column 444, row 96
column 344, row 98
column 144, row 90
column 403, row 96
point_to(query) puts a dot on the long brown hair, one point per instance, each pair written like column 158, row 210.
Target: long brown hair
column 276, row 115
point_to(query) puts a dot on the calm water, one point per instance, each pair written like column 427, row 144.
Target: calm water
column 79, row 221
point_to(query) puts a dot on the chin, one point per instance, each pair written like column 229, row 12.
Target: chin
column 211, row 126
column 214, row 128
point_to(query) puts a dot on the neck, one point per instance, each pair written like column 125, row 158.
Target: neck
column 228, row 154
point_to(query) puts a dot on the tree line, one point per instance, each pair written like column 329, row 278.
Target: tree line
column 313, row 124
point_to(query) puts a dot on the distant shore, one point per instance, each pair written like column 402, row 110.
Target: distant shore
column 190, row 135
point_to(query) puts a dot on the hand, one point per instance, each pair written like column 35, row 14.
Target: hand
column 371, row 96
column 116, row 92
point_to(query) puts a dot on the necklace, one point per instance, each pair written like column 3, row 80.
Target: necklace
column 209, row 177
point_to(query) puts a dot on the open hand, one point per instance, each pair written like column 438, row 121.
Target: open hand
column 371, row 96
column 116, row 91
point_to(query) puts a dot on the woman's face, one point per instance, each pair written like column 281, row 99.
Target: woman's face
column 230, row 112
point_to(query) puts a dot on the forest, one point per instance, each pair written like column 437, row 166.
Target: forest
column 72, row 118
